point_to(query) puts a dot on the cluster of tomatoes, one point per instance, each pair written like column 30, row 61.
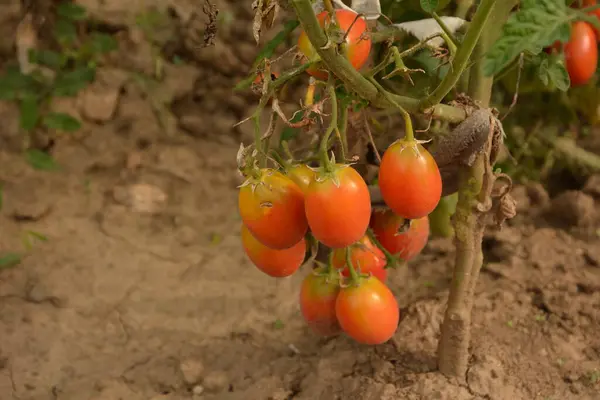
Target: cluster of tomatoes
column 282, row 210
column 581, row 51
column 280, row 207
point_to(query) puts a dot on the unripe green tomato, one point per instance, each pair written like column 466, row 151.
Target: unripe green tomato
column 440, row 222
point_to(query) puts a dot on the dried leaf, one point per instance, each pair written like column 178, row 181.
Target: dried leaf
column 371, row 9
column 424, row 28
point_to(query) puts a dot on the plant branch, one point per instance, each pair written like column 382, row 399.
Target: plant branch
column 342, row 68
column 460, row 61
column 469, row 220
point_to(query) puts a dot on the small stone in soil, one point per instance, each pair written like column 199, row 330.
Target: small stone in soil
column 215, row 381
column 192, row 371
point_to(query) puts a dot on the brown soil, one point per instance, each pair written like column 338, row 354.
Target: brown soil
column 142, row 290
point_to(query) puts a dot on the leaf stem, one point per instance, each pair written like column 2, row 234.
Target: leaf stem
column 461, row 59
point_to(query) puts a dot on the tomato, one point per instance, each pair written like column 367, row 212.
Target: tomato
column 367, row 312
column 318, row 295
column 365, row 257
column 302, row 175
column 581, row 53
column 405, row 245
column 272, row 207
column 338, row 207
column 358, row 43
column 409, row 179
column 275, row 263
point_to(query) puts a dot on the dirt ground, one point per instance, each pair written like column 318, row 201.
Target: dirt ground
column 143, row 291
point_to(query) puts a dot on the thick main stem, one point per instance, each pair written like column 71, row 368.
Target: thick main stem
column 469, row 224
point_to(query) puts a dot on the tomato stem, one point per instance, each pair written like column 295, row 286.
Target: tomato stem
column 324, row 148
column 342, row 131
column 279, row 160
column 354, row 276
column 309, row 98
column 392, row 260
column 408, row 126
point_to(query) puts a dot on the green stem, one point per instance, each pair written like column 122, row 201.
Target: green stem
column 460, row 61
column 354, row 277
column 450, row 39
column 342, row 129
column 324, row 148
column 408, row 126
column 342, row 68
column 392, row 260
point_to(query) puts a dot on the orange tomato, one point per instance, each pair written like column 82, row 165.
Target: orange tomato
column 318, row 295
column 366, row 259
column 368, row 312
column 338, row 207
column 275, row 263
column 405, row 245
column 272, row 207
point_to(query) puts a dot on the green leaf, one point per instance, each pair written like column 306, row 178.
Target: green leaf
column 552, row 70
column 9, row 260
column 47, row 58
column 71, row 11
column 14, row 82
column 41, row 160
column 61, row 122
column 536, row 25
column 29, row 113
column 65, row 32
column 271, row 46
column 429, row 6
column 102, row 43
column 71, row 82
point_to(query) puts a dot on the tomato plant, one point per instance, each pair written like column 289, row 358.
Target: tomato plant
column 403, row 241
column 338, row 207
column 318, row 295
column 272, row 207
column 409, row 179
column 367, row 311
column 442, row 84
column 365, row 256
column 357, row 42
column 581, row 53
column 275, row 263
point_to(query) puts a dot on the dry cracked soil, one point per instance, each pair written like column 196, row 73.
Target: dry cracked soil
column 142, row 289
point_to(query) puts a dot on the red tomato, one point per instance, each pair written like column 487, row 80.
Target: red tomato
column 318, row 294
column 368, row 312
column 406, row 245
column 272, row 207
column 338, row 207
column 275, row 263
column 365, row 257
column 581, row 53
column 302, row 175
column 358, row 42
column 409, row 179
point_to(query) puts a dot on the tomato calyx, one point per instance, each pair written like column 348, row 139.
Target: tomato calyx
column 329, row 171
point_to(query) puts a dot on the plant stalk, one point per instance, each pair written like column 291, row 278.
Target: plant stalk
column 469, row 224
column 342, row 68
